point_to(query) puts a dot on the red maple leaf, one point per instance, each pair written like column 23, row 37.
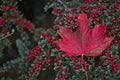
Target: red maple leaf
column 84, row 41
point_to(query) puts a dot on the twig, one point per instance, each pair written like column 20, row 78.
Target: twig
column 21, row 77
column 3, row 70
column 63, row 4
column 7, row 36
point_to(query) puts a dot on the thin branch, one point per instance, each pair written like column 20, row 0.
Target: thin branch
column 63, row 4
column 3, row 70
column 7, row 36
column 21, row 77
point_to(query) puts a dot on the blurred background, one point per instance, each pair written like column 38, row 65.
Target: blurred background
column 34, row 11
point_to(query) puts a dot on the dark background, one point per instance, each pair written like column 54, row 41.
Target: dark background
column 34, row 11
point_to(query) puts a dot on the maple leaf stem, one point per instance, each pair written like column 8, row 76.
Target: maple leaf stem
column 82, row 58
column 86, row 73
column 82, row 61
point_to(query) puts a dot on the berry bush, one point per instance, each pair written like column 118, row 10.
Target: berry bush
column 83, row 43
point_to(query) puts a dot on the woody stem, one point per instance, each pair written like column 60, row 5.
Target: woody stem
column 6, row 36
column 62, row 4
